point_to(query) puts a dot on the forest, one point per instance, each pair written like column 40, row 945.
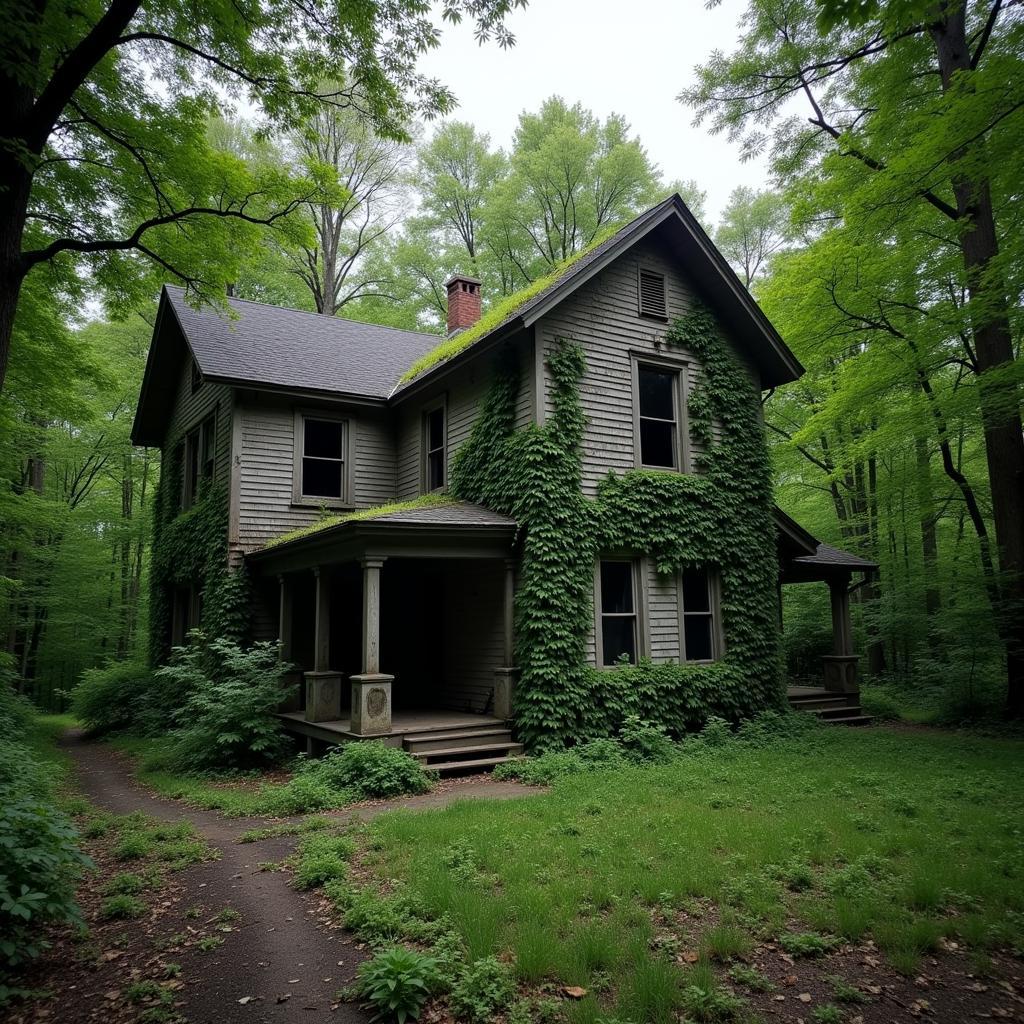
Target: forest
column 887, row 248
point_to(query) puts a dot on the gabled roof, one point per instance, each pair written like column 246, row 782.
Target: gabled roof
column 702, row 261
column 272, row 346
column 804, row 557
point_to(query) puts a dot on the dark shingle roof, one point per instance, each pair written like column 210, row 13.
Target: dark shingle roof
column 835, row 558
column 458, row 513
column 290, row 348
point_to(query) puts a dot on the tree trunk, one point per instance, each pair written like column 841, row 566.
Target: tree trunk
column 1004, row 445
column 929, row 541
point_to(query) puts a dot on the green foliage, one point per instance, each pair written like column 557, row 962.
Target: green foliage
column 40, row 862
column 321, row 859
column 482, row 991
column 721, row 515
column 122, row 906
column 229, row 700
column 879, row 705
column 397, row 982
column 805, row 944
column 827, row 1013
column 124, row 696
column 368, row 770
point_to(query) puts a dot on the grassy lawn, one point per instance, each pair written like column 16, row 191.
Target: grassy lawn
column 613, row 881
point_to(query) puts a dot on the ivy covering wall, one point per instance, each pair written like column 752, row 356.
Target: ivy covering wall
column 191, row 548
column 719, row 516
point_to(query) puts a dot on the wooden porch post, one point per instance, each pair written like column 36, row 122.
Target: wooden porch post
column 290, row 680
column 371, row 689
column 323, row 687
column 504, row 677
column 841, row 665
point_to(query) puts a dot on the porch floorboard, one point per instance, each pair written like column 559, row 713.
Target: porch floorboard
column 403, row 723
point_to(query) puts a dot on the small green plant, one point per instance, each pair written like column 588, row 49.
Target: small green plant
column 321, row 859
column 844, row 992
column 744, row 974
column 124, row 883
column 132, row 845
column 226, row 916
column 145, row 991
column 255, row 835
column 827, row 1014
column 805, row 944
column 482, row 991
column 367, row 771
column 172, row 970
column 208, row 942
column 725, row 941
column 397, row 982
column 122, row 906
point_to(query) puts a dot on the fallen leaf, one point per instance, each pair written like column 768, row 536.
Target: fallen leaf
column 789, row 979
column 804, row 997
column 574, row 991
column 690, row 957
column 245, row 999
column 293, row 981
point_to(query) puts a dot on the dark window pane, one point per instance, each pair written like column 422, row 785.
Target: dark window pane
column 435, row 470
column 435, row 429
column 616, row 587
column 209, row 437
column 696, row 597
column 698, row 638
column 618, row 637
column 321, row 478
column 656, row 393
column 658, row 443
column 322, row 439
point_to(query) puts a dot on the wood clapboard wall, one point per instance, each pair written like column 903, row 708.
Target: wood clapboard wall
column 191, row 409
column 267, row 465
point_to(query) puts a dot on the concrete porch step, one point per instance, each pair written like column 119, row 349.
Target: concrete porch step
column 455, row 737
column 855, row 720
column 446, row 767
column 830, row 714
column 453, row 753
column 818, row 703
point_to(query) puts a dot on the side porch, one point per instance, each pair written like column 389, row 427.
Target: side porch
column 401, row 630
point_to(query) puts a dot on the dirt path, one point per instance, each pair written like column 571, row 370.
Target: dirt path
column 279, row 963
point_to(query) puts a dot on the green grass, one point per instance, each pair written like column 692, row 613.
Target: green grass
column 761, row 835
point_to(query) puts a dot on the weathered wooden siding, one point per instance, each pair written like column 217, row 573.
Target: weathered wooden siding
column 602, row 317
column 464, row 390
column 474, row 633
column 191, row 409
column 267, row 464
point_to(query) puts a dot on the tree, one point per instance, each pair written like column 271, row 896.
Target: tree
column 753, row 229
column 105, row 160
column 367, row 204
column 913, row 105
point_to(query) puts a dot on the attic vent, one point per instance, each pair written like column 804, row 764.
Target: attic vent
column 652, row 295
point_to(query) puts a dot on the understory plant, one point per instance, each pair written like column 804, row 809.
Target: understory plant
column 365, row 771
column 397, row 982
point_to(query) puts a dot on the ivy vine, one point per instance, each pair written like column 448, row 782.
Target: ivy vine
column 719, row 516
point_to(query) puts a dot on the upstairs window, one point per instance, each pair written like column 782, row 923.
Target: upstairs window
column 196, row 377
column 434, row 449
column 653, row 300
column 200, row 444
column 658, row 414
column 617, row 612
column 323, row 458
column 699, row 613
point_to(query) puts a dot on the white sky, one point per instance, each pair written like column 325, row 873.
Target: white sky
column 629, row 58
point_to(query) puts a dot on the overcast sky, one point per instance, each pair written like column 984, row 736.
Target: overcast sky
column 630, row 58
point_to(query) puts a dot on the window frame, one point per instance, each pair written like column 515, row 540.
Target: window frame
column 654, row 272
column 639, row 574
column 195, row 377
column 199, row 440
column 348, row 430
column 425, row 451
column 714, row 613
column 680, row 367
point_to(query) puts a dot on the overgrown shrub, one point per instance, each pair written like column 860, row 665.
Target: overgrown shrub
column 39, row 859
column 228, row 718
column 397, row 982
column 482, row 991
column 645, row 741
column 365, row 771
column 880, row 705
column 124, row 696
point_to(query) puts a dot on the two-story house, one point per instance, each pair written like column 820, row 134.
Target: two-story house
column 331, row 447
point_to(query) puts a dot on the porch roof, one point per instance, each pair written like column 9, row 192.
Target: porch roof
column 457, row 529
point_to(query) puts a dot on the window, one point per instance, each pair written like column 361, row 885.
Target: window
column 658, row 408
column 434, row 446
column 617, row 610
column 653, row 302
column 196, row 377
column 323, row 458
column 200, row 443
column 699, row 614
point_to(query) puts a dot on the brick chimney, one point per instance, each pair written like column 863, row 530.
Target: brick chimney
column 463, row 303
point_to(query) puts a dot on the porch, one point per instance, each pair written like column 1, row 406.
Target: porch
column 401, row 627
column 802, row 560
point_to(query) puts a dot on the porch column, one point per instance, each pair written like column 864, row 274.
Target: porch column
column 290, row 679
column 505, row 677
column 371, row 689
column 323, row 687
column 841, row 665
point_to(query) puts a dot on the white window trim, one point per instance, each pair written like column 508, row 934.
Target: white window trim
column 680, row 394
column 640, row 571
column 348, row 448
column 717, row 637
column 442, row 404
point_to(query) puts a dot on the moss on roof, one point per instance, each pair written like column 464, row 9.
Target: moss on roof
column 327, row 521
column 504, row 310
